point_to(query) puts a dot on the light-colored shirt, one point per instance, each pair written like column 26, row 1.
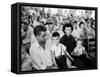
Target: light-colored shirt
column 58, row 50
column 28, row 35
column 27, row 64
column 76, row 33
column 41, row 57
column 35, row 23
column 79, row 50
column 33, row 39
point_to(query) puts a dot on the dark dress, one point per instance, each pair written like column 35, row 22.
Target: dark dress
column 70, row 44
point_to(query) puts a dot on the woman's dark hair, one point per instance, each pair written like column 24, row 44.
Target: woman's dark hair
column 67, row 25
column 38, row 29
column 55, row 34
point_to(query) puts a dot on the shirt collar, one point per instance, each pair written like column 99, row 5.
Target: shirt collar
column 37, row 44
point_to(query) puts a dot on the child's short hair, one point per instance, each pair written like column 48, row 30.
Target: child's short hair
column 55, row 34
column 80, row 40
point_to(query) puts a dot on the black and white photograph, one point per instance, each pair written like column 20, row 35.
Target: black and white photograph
column 57, row 38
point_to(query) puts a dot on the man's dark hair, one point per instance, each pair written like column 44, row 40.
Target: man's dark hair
column 38, row 29
column 55, row 34
column 67, row 25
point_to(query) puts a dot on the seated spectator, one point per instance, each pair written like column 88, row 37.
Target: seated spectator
column 27, row 32
column 70, row 43
column 39, row 52
column 59, row 52
column 75, row 32
column 68, row 40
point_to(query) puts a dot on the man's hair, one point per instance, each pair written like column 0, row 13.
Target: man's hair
column 55, row 34
column 38, row 29
column 67, row 25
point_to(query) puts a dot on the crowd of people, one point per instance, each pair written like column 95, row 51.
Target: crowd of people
column 55, row 41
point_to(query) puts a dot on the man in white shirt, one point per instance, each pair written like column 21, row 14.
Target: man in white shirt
column 39, row 53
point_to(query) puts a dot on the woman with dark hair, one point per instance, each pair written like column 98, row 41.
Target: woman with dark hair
column 68, row 39
column 70, row 43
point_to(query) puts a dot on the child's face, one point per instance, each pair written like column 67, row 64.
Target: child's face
column 79, row 43
column 56, row 40
column 68, row 31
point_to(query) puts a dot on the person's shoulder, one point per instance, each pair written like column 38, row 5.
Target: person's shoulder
column 63, row 46
column 63, row 38
column 83, row 48
column 72, row 38
column 53, row 47
column 33, row 46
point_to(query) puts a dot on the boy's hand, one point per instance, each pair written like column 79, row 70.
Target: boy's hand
column 88, row 57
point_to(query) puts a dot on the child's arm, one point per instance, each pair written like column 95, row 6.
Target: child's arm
column 53, row 58
column 84, row 52
column 68, row 55
column 75, row 53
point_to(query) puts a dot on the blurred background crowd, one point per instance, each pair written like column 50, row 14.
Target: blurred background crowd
column 53, row 19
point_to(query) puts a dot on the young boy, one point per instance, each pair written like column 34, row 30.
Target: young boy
column 59, row 53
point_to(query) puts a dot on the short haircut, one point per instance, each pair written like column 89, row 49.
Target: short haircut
column 75, row 22
column 67, row 25
column 55, row 34
column 80, row 40
column 38, row 29
column 81, row 23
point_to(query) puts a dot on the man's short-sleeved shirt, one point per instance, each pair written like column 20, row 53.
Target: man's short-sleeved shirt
column 41, row 57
